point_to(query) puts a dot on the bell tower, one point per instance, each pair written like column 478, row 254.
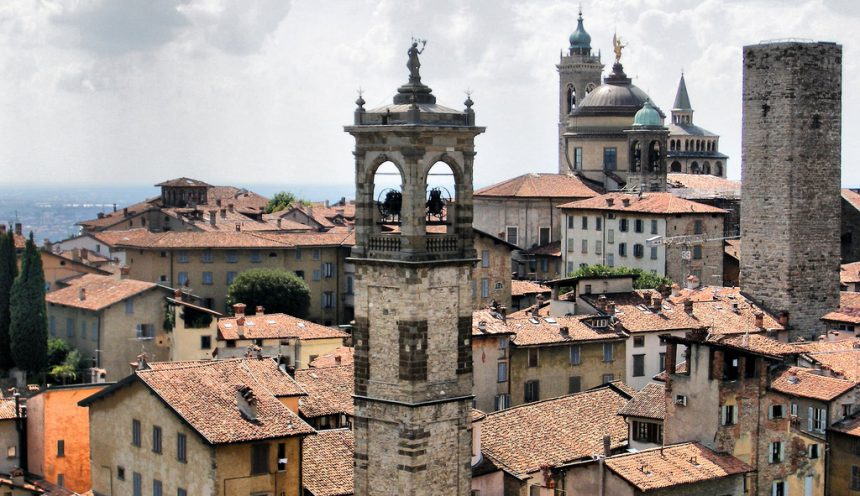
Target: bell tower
column 646, row 143
column 413, row 255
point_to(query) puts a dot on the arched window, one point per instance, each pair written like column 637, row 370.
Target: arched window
column 655, row 156
column 571, row 99
column 635, row 156
column 686, row 145
column 388, row 196
column 676, row 166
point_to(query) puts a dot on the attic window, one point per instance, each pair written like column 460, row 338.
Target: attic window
column 534, row 320
column 270, row 322
column 550, row 320
column 250, row 323
column 228, row 325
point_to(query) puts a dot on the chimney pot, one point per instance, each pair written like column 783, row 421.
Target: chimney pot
column 688, row 306
column 759, row 320
column 783, row 318
column 82, row 294
column 337, row 359
column 125, row 212
column 260, row 310
column 239, row 309
column 124, row 272
column 279, row 222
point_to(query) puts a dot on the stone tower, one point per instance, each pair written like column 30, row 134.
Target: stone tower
column 790, row 180
column 413, row 254
column 578, row 73
column 646, row 143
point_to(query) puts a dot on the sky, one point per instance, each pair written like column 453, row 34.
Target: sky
column 258, row 91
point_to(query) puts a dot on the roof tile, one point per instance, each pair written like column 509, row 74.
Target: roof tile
column 329, row 389
column 327, row 463
column 540, row 186
column 99, row 291
column 651, row 203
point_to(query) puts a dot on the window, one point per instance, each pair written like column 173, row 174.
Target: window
column 653, row 226
column 282, row 457
column 622, row 249
column 182, row 256
column 819, row 419
column 697, row 227
column 639, row 365
column 485, row 258
column 83, row 330
column 317, row 275
column 775, row 452
column 135, row 433
column 206, row 256
column 316, row 253
column 156, row 439
column 813, row 451
column 544, row 266
column 137, row 484
column 61, row 480
column 598, row 223
column 569, row 221
column 181, row 492
column 570, row 244
column 607, row 378
column 661, row 361
column 533, row 357
column 584, row 246
column 730, row 415
column 256, row 257
column 512, row 235
column 232, row 256
column 610, row 156
column 577, row 158
column 607, row 352
column 575, row 355
column 61, row 448
column 259, row 459
column 502, row 372
column 156, row 487
column 638, row 225
column 846, row 410
column 207, row 278
column 610, row 236
column 638, row 250
column 532, row 391
column 328, row 270
column 610, row 259
column 623, row 225
column 544, row 236
column 855, row 478
column 598, row 247
column 12, row 452
column 776, row 412
column 70, row 328
column 502, row 401
column 793, row 409
column 181, row 448
column 183, row 279
column 653, row 253
column 120, row 472
column 647, row 432
column 94, row 331
column 300, row 274
column 584, row 222
column 231, row 276
column 574, row 384
column 485, row 288
column 638, row 341
column 349, row 285
column 697, row 252
column 328, row 299
column 145, row 331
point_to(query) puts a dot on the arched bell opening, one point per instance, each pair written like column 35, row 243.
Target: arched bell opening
column 635, row 156
column 440, row 195
column 571, row 99
column 655, row 156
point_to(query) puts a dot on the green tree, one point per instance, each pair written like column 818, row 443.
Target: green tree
column 643, row 280
column 8, row 272
column 29, row 330
column 57, row 351
column 284, row 200
column 68, row 370
column 278, row 291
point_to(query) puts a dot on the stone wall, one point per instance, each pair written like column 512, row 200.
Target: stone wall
column 850, row 235
column 791, row 179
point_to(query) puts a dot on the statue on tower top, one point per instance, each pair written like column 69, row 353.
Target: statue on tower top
column 414, row 65
column 617, row 46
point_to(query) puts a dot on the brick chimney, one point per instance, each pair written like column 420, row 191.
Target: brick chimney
column 656, row 303
column 688, row 306
column 246, row 401
column 82, row 294
column 692, row 282
column 783, row 319
column 759, row 320
column 260, row 310
column 239, row 309
column 601, row 303
column 610, row 308
column 124, row 272
column 337, row 360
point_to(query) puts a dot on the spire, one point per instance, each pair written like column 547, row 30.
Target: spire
column 682, row 99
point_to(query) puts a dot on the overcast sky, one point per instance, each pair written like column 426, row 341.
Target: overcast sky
column 258, row 91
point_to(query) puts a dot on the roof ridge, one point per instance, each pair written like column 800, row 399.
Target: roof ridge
column 557, row 398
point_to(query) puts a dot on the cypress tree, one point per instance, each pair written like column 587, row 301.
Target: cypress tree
column 8, row 272
column 29, row 329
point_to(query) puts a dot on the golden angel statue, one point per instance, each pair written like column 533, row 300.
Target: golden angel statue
column 617, row 46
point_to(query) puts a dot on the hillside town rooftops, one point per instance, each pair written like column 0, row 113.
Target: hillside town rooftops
column 274, row 326
column 648, row 402
column 329, row 389
column 536, row 331
column 674, row 465
column 184, row 182
column 540, row 185
column 659, row 203
column 142, row 239
column 95, row 291
column 327, row 463
column 806, row 383
column 841, row 357
column 848, row 311
column 342, row 355
column 702, row 186
column 850, row 426
column 850, row 273
column 523, row 288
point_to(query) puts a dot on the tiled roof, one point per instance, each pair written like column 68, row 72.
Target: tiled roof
column 726, row 310
column 487, row 322
column 553, row 432
column 329, row 389
column 184, row 181
column 649, row 203
column 674, row 465
column 115, row 238
column 7, row 408
column 851, row 197
column 548, row 250
column 346, row 354
column 275, row 326
column 477, row 415
column 99, row 291
column 842, row 357
column 327, row 463
column 649, row 402
column 203, row 393
column 226, row 240
column 522, row 288
column 551, row 330
column 805, row 383
column 850, row 426
column 755, row 343
column 540, row 186
column 702, row 186
column 850, row 273
column 680, row 368
column 733, row 248
column 849, row 309
column 112, row 218
column 631, row 310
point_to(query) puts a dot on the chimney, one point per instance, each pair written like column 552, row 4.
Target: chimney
column 607, row 446
column 601, row 303
column 19, row 229
column 217, row 202
column 625, row 202
column 759, row 320
column 692, row 282
column 212, row 217
column 125, row 212
column 656, row 303
column 610, row 202
column 47, row 245
column 238, row 227
column 124, row 272
column 76, row 254
column 783, row 319
column 85, row 254
column 688, row 306
column 735, row 307
column 82, row 294
column 610, row 308
column 177, row 294
column 260, row 310
column 792, row 377
column 239, row 309
column 114, row 207
column 17, row 476
column 246, row 401
column 240, row 326
column 337, row 360
column 503, row 310
column 565, row 331
column 279, row 222
column 676, row 290
column 141, row 362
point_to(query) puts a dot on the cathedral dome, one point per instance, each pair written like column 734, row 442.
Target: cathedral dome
column 580, row 39
column 616, row 96
column 647, row 116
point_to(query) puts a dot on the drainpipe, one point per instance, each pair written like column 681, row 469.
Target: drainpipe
column 21, row 427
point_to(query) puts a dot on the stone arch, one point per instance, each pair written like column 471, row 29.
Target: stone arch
column 676, row 166
column 655, row 156
column 570, row 101
column 686, row 145
column 371, row 167
column 706, row 167
column 635, row 156
column 694, row 168
column 718, row 168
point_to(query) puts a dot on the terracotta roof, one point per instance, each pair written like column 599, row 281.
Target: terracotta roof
column 7, row 408
column 184, row 181
column 650, row 203
column 726, row 310
column 552, row 432
column 112, row 218
column 851, row 197
column 477, row 415
column 548, row 250
column 226, row 240
column 674, row 465
column 755, row 343
column 841, row 357
column 733, row 248
column 346, row 354
column 850, row 273
column 649, row 402
column 522, row 288
column 702, row 186
column 849, row 309
column 487, row 322
column 850, row 426
column 327, row 463
column 115, row 238
column 275, row 326
column 540, row 186
column 550, row 330
column 203, row 393
column 329, row 389
column 680, row 368
column 805, row 383
column 99, row 291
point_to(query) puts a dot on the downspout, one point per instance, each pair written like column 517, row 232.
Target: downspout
column 337, row 293
column 21, row 427
column 603, row 230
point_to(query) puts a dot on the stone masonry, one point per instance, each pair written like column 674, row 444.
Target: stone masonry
column 791, row 178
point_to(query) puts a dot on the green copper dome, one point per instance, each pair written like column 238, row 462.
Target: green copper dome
column 647, row 116
column 579, row 39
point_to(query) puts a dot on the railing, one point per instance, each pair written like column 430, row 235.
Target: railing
column 384, row 243
column 441, row 244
